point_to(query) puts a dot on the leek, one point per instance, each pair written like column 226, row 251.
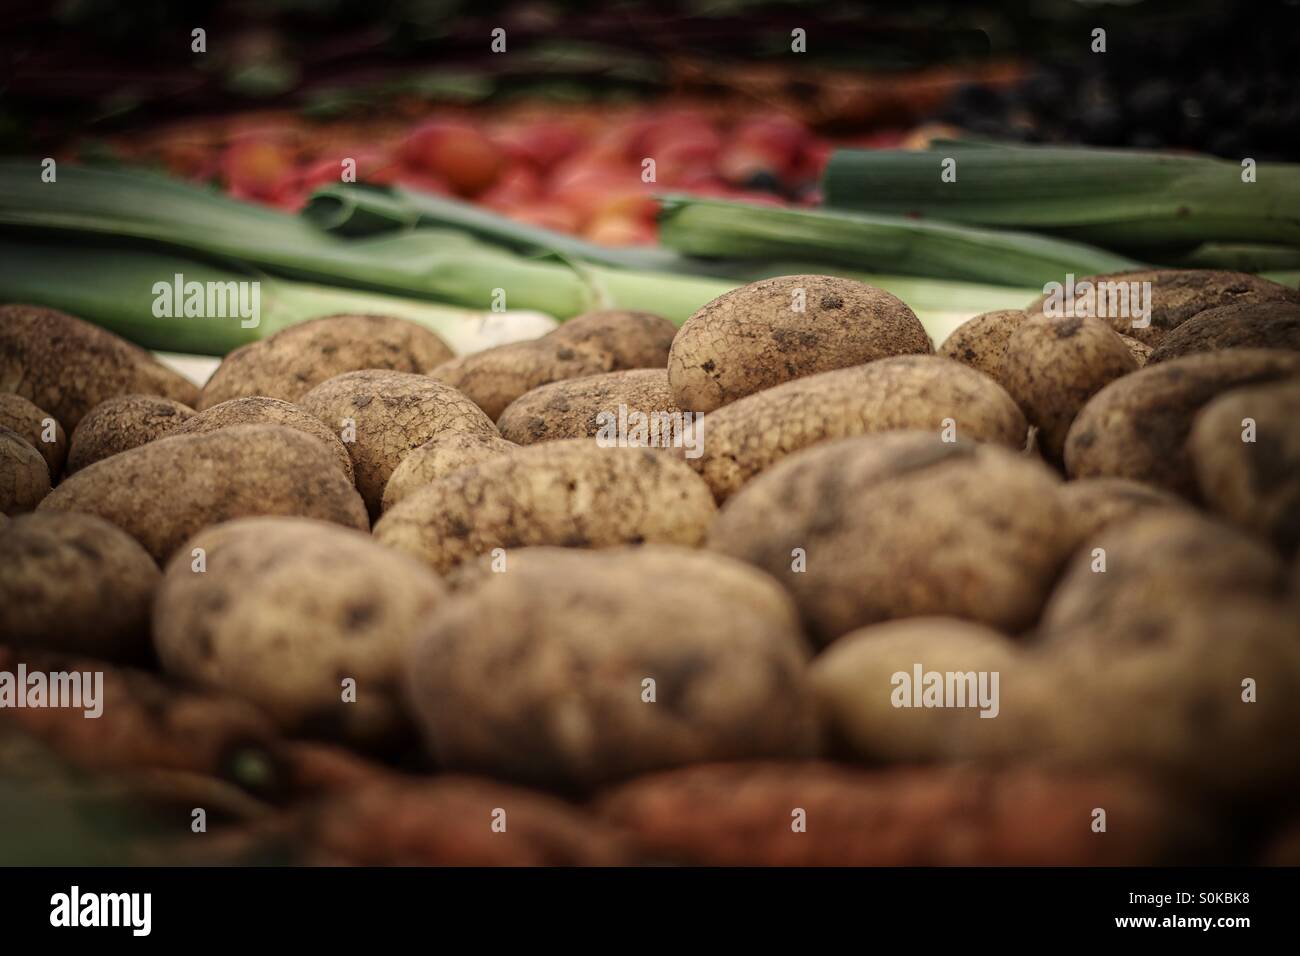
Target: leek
column 1125, row 200
column 710, row 227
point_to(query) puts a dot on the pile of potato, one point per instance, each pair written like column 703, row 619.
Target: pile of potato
column 365, row 601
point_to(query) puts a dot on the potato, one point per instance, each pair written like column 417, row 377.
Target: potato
column 383, row 415
column 260, row 410
column 24, row 476
column 981, row 342
column 910, row 392
column 1156, row 565
column 586, row 668
column 439, row 457
column 293, row 361
column 902, row 525
column 164, row 492
column 121, row 424
column 1254, row 483
column 866, row 685
column 1096, row 503
column 285, row 611
column 1053, row 366
column 1179, row 294
column 1137, row 427
column 77, row 584
column 573, row 409
column 1267, row 325
column 604, row 341
column 572, row 493
column 36, row 427
column 67, row 366
column 776, row 330
column 1169, row 695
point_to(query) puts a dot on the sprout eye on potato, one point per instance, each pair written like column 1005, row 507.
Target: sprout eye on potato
column 286, row 610
column 775, row 330
column 603, row 341
column 581, row 668
column 293, row 361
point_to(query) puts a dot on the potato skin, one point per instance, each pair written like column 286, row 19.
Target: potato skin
column 121, row 424
column 1158, row 563
column 394, row 413
column 1137, row 427
column 439, row 457
column 1179, row 294
column 286, row 609
column 164, row 492
column 260, row 410
column 1249, row 325
column 604, row 341
column 551, row 494
column 908, row 392
column 1254, row 484
column 24, row 476
column 752, row 338
column 68, row 366
column 855, row 688
column 1097, row 503
column 21, row 416
column 76, row 584
column 979, row 530
column 981, row 342
column 569, row 409
column 1053, row 366
column 1140, row 351
column 537, row 676
column 293, row 361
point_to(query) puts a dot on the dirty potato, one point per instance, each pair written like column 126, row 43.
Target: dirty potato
column 909, row 392
column 439, row 457
column 1176, row 296
column 603, row 341
column 286, row 612
column 583, row 407
column 1245, row 447
column 383, row 415
column 572, row 493
column 75, row 583
column 586, row 668
column 293, row 361
column 164, row 492
column 870, row 529
column 1051, row 367
column 260, row 410
column 67, row 366
column 38, row 428
column 24, row 476
column 1137, row 426
column 784, row 328
column 1250, row 325
column 982, row 341
column 1096, row 503
column 121, row 424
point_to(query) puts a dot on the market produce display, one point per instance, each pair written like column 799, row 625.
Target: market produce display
column 720, row 464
